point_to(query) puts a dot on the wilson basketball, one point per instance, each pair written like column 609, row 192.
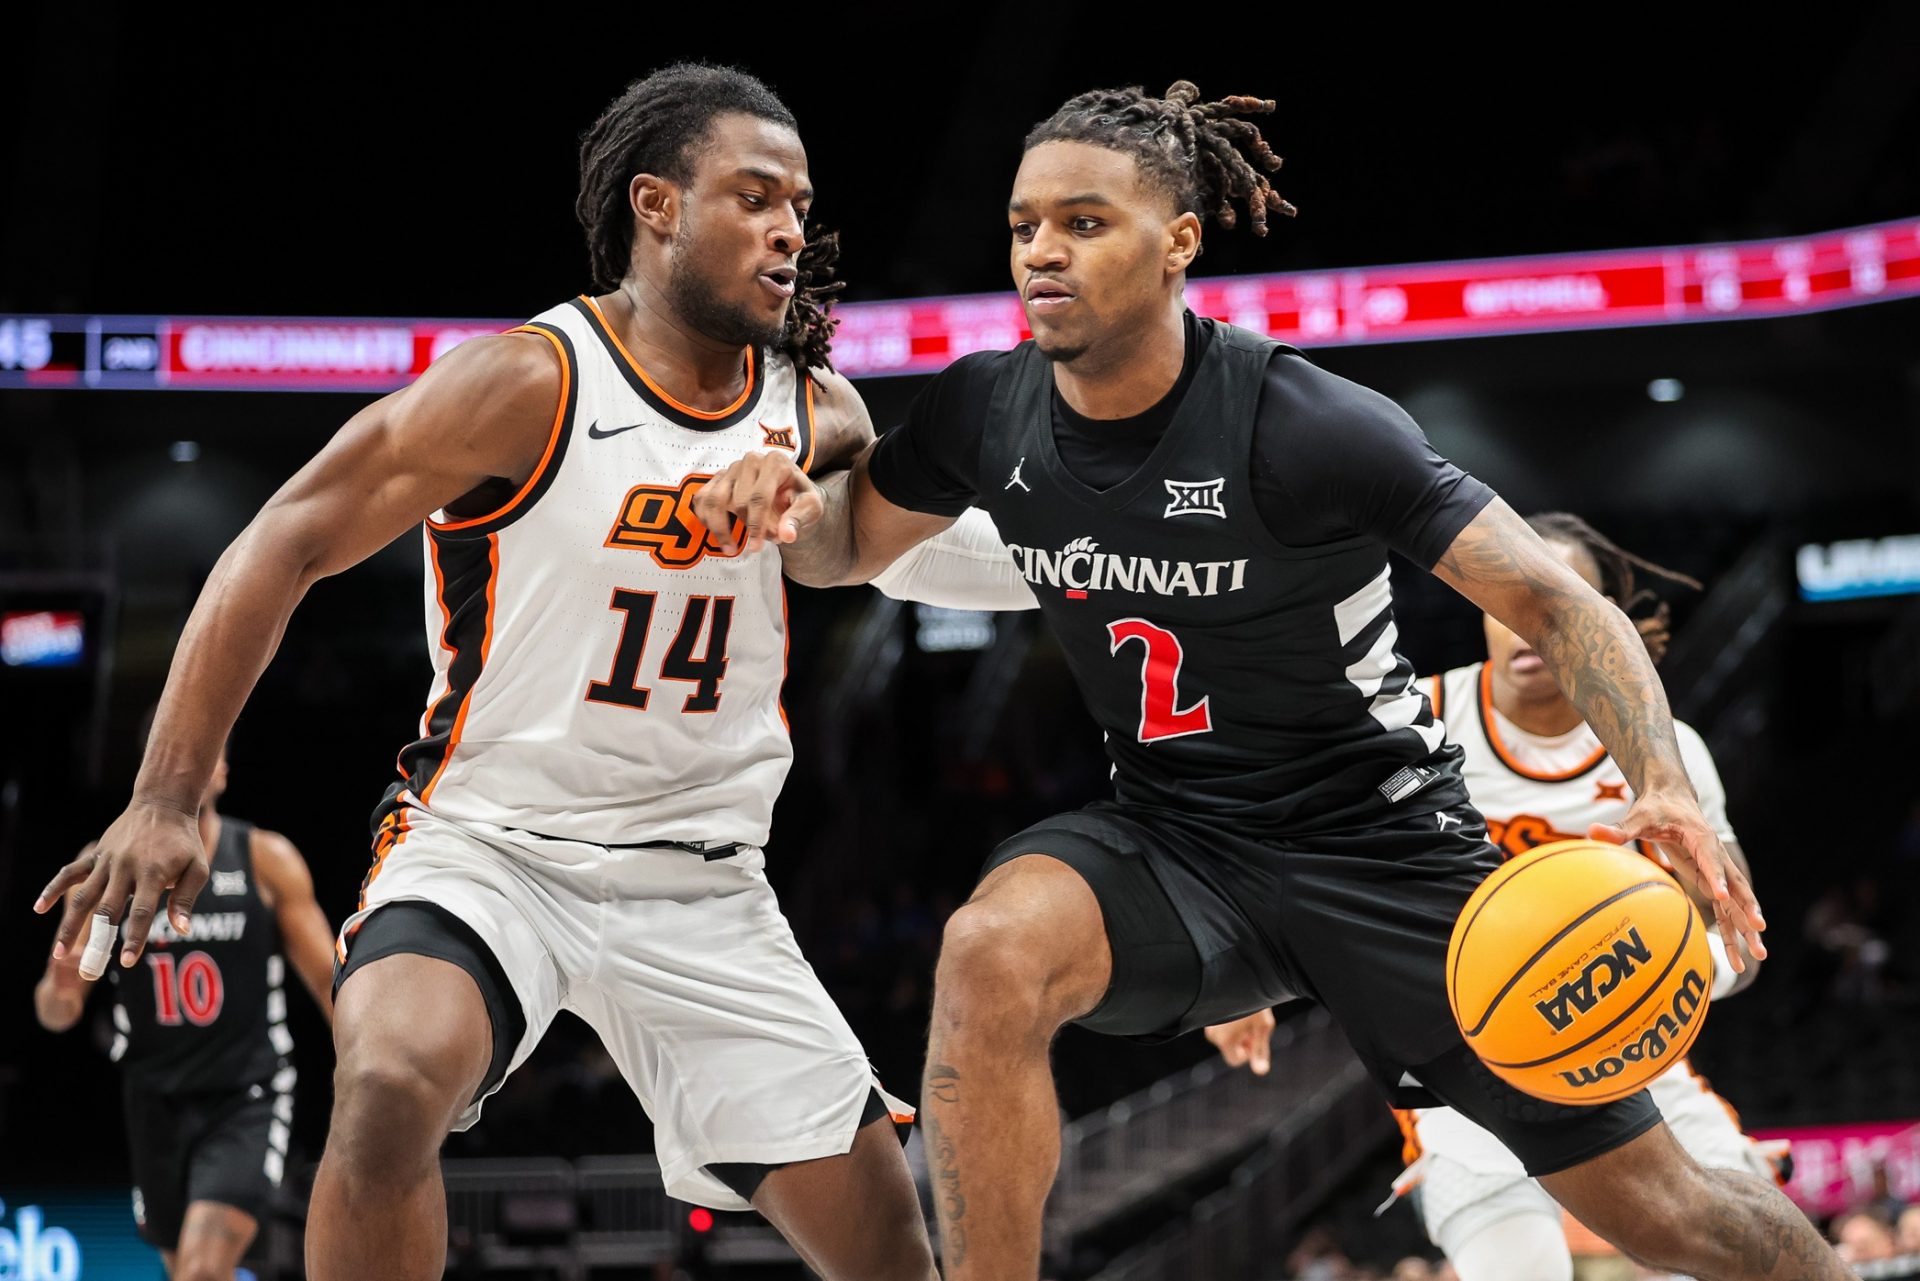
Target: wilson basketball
column 1579, row 971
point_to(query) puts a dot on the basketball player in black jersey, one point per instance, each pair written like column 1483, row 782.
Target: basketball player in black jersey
column 200, row 1034
column 1205, row 518
column 694, row 195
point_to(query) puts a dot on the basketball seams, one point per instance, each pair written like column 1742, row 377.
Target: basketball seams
column 1549, row 945
column 1513, row 870
column 1652, row 988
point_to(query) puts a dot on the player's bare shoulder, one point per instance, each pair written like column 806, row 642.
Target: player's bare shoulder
column 842, row 426
column 496, row 400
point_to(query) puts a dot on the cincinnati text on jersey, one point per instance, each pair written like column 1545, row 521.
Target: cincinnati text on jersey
column 1080, row 567
column 217, row 927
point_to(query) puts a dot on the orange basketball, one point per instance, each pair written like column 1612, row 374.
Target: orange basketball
column 1579, row 971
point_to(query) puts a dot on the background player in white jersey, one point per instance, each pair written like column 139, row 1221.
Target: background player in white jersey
column 579, row 825
column 202, row 1045
column 1539, row 774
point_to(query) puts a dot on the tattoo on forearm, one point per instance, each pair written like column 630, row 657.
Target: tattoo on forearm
column 943, row 1086
column 1587, row 643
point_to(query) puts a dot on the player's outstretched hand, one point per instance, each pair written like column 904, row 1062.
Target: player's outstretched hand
column 1247, row 1041
column 767, row 494
column 148, row 851
column 1696, row 856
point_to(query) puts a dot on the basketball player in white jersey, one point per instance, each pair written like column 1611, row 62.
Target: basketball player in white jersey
column 1539, row 774
column 579, row 825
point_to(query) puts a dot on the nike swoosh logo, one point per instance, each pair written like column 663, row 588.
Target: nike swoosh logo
column 593, row 430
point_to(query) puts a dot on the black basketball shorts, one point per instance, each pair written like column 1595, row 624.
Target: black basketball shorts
column 1207, row 923
column 229, row 1147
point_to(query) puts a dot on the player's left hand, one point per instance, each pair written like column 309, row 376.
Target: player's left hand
column 1700, row 861
column 1248, row 1040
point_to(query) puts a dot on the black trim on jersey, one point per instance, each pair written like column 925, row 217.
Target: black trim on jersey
column 466, row 588
column 543, row 480
column 660, row 405
column 803, row 418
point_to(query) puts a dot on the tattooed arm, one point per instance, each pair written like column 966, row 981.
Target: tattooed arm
column 1601, row 664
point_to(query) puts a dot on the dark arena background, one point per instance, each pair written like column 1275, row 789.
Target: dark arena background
column 1655, row 266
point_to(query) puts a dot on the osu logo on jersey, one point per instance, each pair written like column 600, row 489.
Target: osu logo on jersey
column 1523, row 832
column 660, row 521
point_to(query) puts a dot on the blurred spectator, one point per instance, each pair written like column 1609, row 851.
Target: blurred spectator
column 1883, row 1203
column 1318, row 1258
column 1843, row 924
column 1862, row 1236
column 1412, row 1268
column 1908, row 1232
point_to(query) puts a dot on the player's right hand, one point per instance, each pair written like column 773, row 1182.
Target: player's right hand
column 148, row 851
column 768, row 493
column 1246, row 1041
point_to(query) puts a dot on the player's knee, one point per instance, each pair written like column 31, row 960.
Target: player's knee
column 390, row 1104
column 200, row 1265
column 995, row 958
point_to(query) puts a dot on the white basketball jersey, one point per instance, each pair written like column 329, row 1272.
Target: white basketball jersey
column 1535, row 789
column 601, row 672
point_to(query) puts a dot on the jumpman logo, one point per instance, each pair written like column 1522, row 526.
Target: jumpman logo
column 1015, row 478
column 1446, row 818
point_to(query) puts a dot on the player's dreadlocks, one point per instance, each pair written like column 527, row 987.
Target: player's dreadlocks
column 1616, row 575
column 656, row 127
column 1199, row 152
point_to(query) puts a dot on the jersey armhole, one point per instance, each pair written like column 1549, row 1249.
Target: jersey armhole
column 543, row 473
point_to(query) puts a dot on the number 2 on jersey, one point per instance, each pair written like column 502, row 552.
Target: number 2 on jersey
column 1161, row 715
column 622, row 687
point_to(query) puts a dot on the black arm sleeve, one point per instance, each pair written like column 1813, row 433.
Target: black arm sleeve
column 930, row 462
column 1335, row 460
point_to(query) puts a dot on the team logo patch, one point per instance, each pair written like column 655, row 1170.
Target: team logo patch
column 1610, row 791
column 1197, row 498
column 778, row 437
column 659, row 520
column 229, row 883
column 1015, row 478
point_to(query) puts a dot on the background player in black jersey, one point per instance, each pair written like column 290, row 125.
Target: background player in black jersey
column 200, row 1034
column 1205, row 518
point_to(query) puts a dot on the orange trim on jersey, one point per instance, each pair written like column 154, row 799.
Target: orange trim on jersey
column 486, row 644
column 400, row 822
column 813, row 429
column 1732, row 1113
column 1439, row 693
column 1500, row 748
column 1408, row 1120
column 656, row 388
column 553, row 442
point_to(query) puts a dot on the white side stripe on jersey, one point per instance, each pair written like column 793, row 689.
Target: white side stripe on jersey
column 1379, row 674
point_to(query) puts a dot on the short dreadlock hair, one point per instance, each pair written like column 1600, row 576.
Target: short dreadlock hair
column 1649, row 613
column 1200, row 153
column 658, row 126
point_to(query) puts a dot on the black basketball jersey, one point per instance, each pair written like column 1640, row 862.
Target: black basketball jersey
column 1234, row 676
column 208, row 1012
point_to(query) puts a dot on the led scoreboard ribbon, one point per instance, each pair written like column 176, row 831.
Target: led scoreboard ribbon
column 1746, row 280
